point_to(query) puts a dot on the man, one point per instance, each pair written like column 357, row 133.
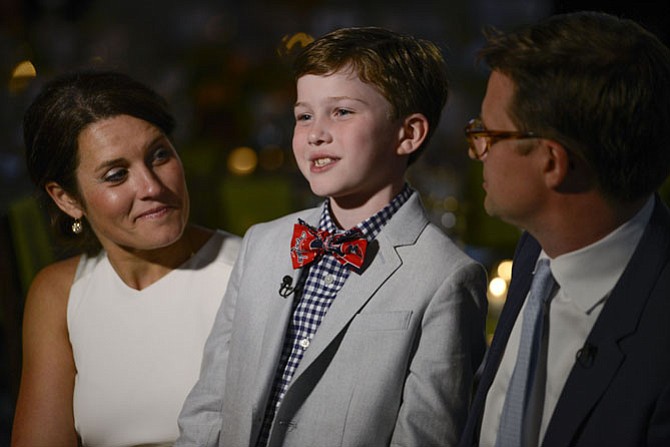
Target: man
column 574, row 139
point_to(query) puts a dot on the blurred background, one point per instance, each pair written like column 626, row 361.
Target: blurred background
column 224, row 68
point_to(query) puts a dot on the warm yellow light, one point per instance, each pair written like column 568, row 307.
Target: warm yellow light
column 505, row 270
column 242, row 161
column 23, row 73
column 497, row 287
column 24, row 69
column 289, row 42
column 450, row 203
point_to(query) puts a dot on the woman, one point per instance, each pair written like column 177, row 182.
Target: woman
column 113, row 338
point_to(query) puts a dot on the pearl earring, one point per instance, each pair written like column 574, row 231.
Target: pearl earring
column 77, row 226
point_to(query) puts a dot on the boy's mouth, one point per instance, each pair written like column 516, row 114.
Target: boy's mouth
column 321, row 162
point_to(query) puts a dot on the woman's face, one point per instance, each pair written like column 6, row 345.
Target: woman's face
column 131, row 184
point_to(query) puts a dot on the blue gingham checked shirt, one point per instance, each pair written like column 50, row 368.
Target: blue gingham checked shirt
column 319, row 284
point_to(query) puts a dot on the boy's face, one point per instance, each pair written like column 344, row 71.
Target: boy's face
column 345, row 143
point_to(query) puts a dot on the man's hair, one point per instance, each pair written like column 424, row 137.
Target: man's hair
column 409, row 72
column 597, row 84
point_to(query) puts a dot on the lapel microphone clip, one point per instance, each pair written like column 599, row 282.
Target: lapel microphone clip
column 285, row 288
column 587, row 355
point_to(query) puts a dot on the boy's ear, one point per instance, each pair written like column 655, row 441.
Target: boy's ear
column 68, row 204
column 413, row 133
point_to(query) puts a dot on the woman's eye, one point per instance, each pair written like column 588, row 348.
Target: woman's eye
column 161, row 154
column 115, row 175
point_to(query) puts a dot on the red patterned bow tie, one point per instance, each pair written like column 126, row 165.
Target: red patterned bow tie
column 308, row 244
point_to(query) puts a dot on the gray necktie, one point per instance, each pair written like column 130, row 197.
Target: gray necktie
column 511, row 430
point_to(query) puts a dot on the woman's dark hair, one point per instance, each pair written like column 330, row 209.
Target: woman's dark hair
column 52, row 124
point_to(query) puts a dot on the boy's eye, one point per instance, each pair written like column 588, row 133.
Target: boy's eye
column 302, row 116
column 343, row 112
column 115, row 175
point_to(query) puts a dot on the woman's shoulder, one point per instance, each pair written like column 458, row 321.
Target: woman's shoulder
column 54, row 281
column 223, row 245
column 47, row 299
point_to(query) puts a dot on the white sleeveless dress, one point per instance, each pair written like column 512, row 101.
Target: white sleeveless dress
column 138, row 353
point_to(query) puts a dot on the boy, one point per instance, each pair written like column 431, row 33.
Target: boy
column 371, row 339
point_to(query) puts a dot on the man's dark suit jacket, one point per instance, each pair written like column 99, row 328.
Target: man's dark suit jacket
column 618, row 391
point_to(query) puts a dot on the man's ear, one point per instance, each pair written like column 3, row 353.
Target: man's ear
column 556, row 163
column 413, row 133
column 68, row 204
column 563, row 171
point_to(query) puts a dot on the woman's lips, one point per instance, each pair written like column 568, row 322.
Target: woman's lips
column 154, row 213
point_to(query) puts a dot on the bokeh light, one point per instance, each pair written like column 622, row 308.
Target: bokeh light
column 242, row 160
column 505, row 269
column 23, row 73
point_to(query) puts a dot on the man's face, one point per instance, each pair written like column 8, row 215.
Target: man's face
column 512, row 178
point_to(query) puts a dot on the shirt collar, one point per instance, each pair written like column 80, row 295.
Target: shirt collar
column 371, row 226
column 587, row 275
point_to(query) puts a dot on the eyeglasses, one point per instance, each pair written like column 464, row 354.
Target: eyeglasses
column 480, row 139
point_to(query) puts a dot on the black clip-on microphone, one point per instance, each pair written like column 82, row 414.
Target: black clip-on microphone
column 285, row 288
column 587, row 355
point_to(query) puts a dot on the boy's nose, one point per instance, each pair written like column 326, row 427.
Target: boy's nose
column 318, row 135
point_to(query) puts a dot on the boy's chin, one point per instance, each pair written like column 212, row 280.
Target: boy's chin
column 318, row 193
column 320, row 190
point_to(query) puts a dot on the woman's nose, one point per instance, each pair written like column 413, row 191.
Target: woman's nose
column 149, row 184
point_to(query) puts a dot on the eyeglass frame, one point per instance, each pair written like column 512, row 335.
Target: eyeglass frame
column 491, row 136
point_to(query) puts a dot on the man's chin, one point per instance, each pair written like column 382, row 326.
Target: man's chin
column 489, row 208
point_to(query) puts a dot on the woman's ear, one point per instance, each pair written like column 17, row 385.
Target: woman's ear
column 68, row 204
column 413, row 133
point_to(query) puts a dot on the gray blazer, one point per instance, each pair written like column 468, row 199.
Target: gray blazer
column 391, row 364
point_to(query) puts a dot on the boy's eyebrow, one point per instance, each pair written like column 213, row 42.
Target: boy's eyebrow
column 334, row 99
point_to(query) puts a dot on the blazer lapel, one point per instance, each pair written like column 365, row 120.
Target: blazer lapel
column 277, row 316
column 589, row 379
column 524, row 262
column 403, row 229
